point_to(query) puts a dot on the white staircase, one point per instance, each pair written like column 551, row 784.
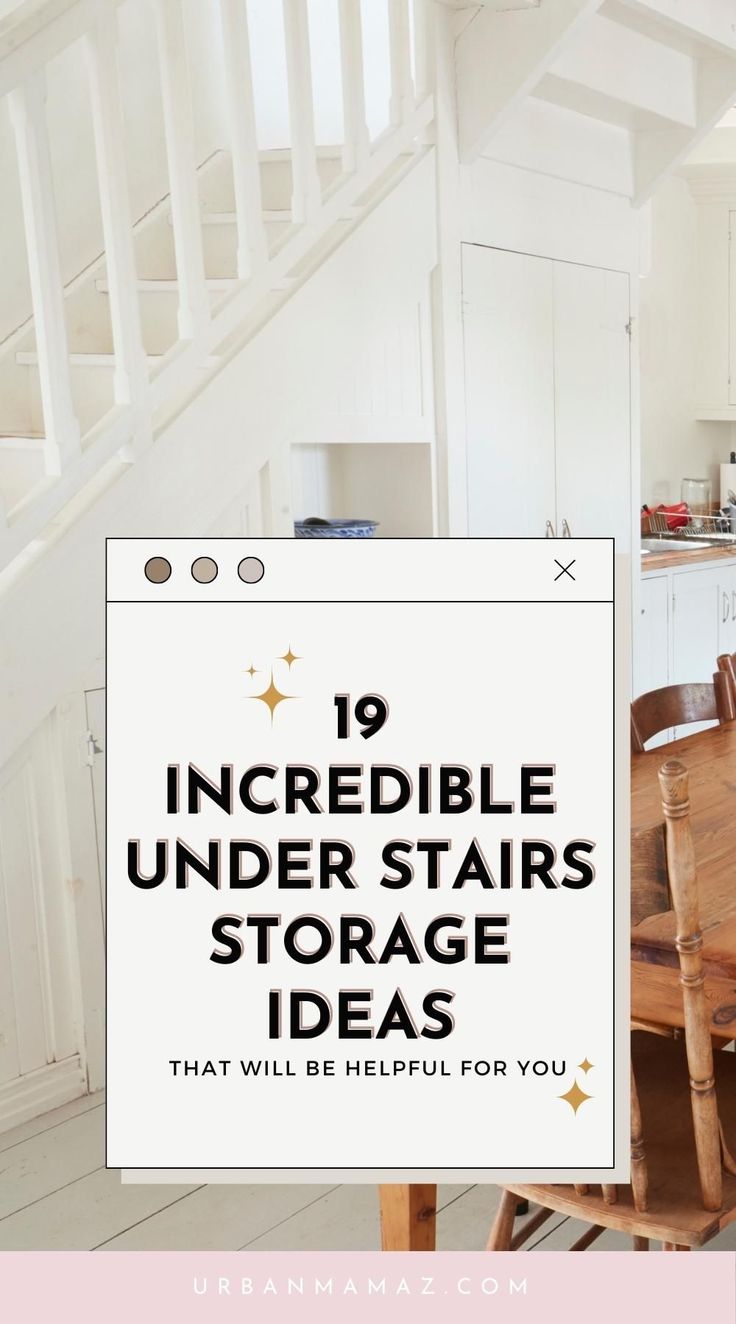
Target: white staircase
column 622, row 88
column 109, row 356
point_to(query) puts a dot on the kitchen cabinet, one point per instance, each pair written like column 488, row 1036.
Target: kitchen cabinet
column 652, row 641
column 651, row 657
column 547, row 377
column 687, row 616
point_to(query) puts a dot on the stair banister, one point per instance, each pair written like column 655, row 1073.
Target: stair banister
column 194, row 313
column 402, row 87
column 28, row 115
column 252, row 242
column 30, row 38
column 355, row 129
column 131, row 373
column 307, row 192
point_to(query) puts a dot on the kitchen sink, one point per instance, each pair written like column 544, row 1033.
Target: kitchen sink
column 674, row 544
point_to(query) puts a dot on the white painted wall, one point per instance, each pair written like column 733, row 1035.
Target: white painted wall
column 673, row 444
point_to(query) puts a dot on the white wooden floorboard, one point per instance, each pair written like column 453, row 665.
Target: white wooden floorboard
column 50, row 1120
column 345, row 1219
column 84, row 1214
column 47, row 1162
column 55, row 1194
column 218, row 1218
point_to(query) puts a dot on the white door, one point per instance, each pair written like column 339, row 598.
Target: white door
column 592, row 402
column 509, row 382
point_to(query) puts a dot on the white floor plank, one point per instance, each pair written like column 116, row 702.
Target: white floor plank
column 49, row 1120
column 84, row 1214
column 218, row 1218
column 346, row 1219
column 38, row 1167
column 465, row 1224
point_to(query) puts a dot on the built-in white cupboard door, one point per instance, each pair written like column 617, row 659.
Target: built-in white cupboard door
column 592, row 402
column 509, row 376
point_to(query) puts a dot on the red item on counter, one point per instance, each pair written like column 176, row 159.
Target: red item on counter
column 676, row 516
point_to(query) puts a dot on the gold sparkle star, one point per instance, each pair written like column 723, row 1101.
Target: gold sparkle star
column 288, row 657
column 585, row 1065
column 575, row 1096
column 251, row 670
column 272, row 697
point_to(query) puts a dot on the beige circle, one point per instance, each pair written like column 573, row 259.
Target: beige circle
column 204, row 570
column 157, row 570
column 251, row 570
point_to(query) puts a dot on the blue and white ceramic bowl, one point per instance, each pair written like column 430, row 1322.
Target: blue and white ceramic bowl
column 335, row 528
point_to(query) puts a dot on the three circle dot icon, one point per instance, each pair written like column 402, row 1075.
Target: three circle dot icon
column 204, row 570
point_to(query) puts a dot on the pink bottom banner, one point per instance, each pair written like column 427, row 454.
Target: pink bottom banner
column 342, row 1286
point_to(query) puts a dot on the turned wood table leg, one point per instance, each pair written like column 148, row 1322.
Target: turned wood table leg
column 408, row 1215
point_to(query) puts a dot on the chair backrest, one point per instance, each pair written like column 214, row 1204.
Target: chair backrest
column 678, row 705
column 663, row 877
column 727, row 663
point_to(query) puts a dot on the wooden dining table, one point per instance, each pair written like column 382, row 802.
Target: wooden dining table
column 408, row 1212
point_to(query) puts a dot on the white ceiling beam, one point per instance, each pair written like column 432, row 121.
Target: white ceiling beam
column 499, row 59
column 614, row 74
column 709, row 21
column 658, row 152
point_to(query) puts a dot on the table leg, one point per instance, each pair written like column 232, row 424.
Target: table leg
column 408, row 1215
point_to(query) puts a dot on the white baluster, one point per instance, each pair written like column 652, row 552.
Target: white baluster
column 252, row 242
column 357, row 138
column 179, row 131
column 423, row 48
column 131, row 376
column 28, row 113
column 402, row 91
column 306, row 188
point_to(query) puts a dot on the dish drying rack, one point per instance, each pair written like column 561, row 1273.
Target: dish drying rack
column 698, row 526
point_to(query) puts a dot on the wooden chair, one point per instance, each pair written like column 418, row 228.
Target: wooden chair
column 683, row 1178
column 727, row 663
column 677, row 705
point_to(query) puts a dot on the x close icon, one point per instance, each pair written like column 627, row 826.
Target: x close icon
column 564, row 569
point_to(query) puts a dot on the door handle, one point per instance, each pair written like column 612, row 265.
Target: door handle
column 549, row 530
column 726, row 609
column 566, row 529
column 733, row 604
